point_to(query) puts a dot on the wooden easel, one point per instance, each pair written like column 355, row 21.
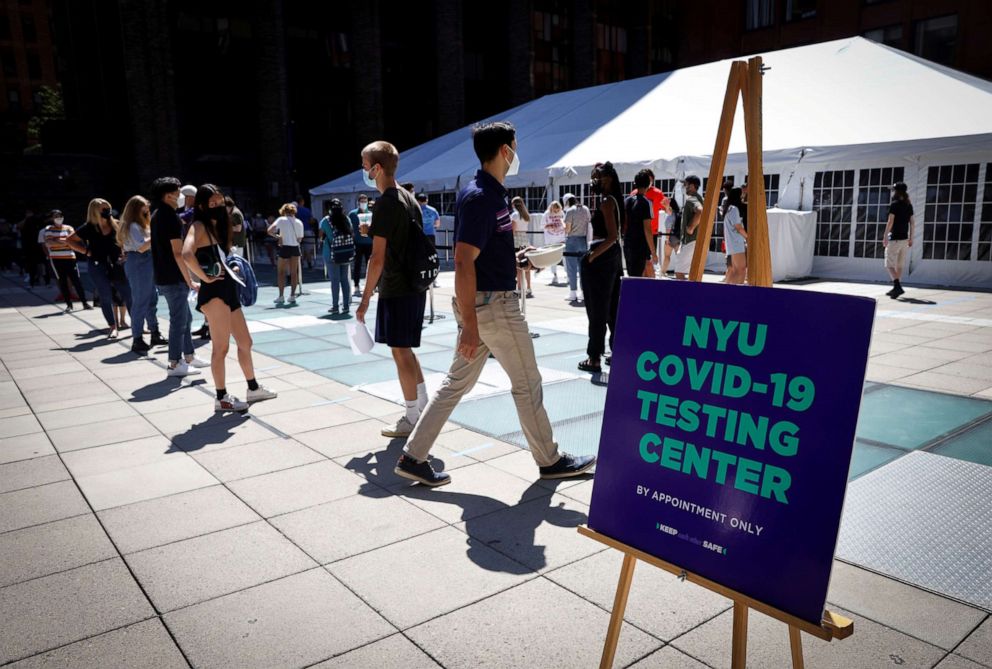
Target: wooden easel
column 832, row 626
column 745, row 79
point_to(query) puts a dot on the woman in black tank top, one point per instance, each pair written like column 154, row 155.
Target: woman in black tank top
column 206, row 244
column 601, row 267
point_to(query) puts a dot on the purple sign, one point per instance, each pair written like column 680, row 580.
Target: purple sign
column 728, row 433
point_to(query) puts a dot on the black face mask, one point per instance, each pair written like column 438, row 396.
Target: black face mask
column 595, row 187
column 219, row 214
column 105, row 213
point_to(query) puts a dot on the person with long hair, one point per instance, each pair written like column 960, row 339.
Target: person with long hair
column 289, row 230
column 601, row 269
column 97, row 240
column 338, row 249
column 898, row 237
column 135, row 236
column 521, row 221
column 204, row 251
column 735, row 236
column 670, row 232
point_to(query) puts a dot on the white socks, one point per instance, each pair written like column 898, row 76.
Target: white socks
column 421, row 396
column 412, row 410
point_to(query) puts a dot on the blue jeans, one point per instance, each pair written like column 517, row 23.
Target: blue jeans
column 575, row 243
column 338, row 273
column 180, row 318
column 144, row 297
column 105, row 288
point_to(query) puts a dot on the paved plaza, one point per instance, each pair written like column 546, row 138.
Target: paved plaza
column 139, row 529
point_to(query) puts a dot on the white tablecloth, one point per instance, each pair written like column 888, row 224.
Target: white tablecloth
column 791, row 236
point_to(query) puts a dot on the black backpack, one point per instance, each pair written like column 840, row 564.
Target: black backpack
column 422, row 262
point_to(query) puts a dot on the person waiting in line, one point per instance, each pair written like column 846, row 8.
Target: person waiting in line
column 660, row 208
column 521, row 240
column 553, row 223
column 338, row 250
column 431, row 219
column 218, row 298
column 898, row 237
column 735, row 236
column 638, row 243
column 363, row 243
column 601, row 269
column 239, row 227
column 289, row 230
column 670, row 235
column 63, row 259
column 489, row 319
column 576, row 242
column 97, row 240
column 400, row 311
column 135, row 237
column 692, row 215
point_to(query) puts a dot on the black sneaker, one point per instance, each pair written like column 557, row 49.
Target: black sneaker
column 568, row 466
column 896, row 292
column 158, row 340
column 87, row 306
column 421, row 472
column 139, row 346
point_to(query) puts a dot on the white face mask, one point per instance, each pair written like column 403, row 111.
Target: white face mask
column 514, row 164
column 58, row 221
column 367, row 178
column 362, row 206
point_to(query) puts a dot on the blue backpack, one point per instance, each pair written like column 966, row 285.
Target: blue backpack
column 247, row 293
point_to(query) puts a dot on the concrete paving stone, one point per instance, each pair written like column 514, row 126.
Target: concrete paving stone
column 475, row 445
column 293, row 489
column 122, row 487
column 43, row 504
column 178, row 397
column 33, row 359
column 395, row 652
column 58, row 384
column 222, row 431
column 440, row 571
column 659, row 602
column 101, row 433
column 18, row 426
column 332, row 390
column 521, row 464
column 898, row 606
column 97, row 413
column 581, row 492
column 978, row 646
column 50, row 367
column 907, row 360
column 943, row 383
column 526, row 627
column 184, row 515
column 958, row 662
column 885, row 373
column 541, row 533
column 379, row 467
column 370, row 406
column 871, row 645
column 879, row 347
column 291, row 400
column 261, row 457
column 45, row 400
column 968, row 370
column 193, row 570
column 49, row 612
column 300, row 379
column 364, row 436
column 313, row 418
column 668, row 658
column 354, row 525
column 21, row 410
column 939, row 354
column 25, row 447
column 474, row 491
column 123, row 455
column 292, row 622
column 53, row 547
column 31, row 473
column 144, row 645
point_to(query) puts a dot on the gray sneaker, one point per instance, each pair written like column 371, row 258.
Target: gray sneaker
column 403, row 428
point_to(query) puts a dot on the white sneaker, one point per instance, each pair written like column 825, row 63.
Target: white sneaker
column 262, row 393
column 278, row 300
column 403, row 428
column 572, row 296
column 230, row 403
column 182, row 369
column 292, row 299
column 197, row 362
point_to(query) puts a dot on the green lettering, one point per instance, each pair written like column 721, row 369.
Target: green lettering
column 747, row 475
column 696, row 333
column 723, row 460
column 647, row 398
column 666, row 410
column 696, row 460
column 723, row 332
column 783, row 438
column 650, row 439
column 775, row 482
column 688, row 416
column 671, row 454
column 642, row 361
column 758, row 345
column 671, row 370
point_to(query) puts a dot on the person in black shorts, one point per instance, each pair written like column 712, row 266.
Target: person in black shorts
column 218, row 298
column 400, row 314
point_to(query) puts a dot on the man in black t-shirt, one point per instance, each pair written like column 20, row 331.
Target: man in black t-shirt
column 400, row 315
column 898, row 238
column 638, row 243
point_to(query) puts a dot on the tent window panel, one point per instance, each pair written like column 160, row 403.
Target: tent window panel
column 833, row 199
column 771, row 189
column 949, row 213
column 984, row 247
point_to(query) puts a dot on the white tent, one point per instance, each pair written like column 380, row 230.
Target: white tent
column 842, row 120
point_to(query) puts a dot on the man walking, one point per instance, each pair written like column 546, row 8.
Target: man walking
column 363, row 243
column 489, row 318
column 172, row 276
column 692, row 215
column 898, row 237
column 400, row 313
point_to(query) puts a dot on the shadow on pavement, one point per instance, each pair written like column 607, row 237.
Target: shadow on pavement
column 214, row 430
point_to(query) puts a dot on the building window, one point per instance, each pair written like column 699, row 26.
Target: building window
column 935, row 39
column 552, row 47
column 336, row 48
column 667, row 186
column 34, row 66
column 889, row 35
column 9, row 64
column 874, row 187
column 14, row 100
column 985, row 227
column 833, row 199
column 759, row 14
column 797, row 10
column 28, row 30
column 474, row 66
column 949, row 215
column 4, row 26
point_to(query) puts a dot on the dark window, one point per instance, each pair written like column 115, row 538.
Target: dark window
column 551, row 31
column 833, row 199
column 28, row 29
column 874, row 195
column 797, row 10
column 9, row 64
column 4, row 26
column 759, row 14
column 949, row 211
column 14, row 100
column 34, row 66
column 889, row 35
column 985, row 226
column 935, row 39
column 474, row 66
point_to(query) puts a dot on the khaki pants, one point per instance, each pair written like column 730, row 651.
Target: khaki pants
column 502, row 330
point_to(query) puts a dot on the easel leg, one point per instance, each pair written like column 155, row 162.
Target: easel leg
column 739, row 643
column 619, row 606
column 796, row 643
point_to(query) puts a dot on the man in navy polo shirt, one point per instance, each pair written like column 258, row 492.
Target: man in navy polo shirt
column 489, row 318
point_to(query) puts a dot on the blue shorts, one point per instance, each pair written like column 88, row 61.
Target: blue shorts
column 399, row 320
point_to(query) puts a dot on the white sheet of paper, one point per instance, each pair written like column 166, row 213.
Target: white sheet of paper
column 359, row 337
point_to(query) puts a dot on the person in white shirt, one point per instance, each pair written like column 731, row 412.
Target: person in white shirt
column 554, row 231
column 577, row 219
column 520, row 218
column 289, row 230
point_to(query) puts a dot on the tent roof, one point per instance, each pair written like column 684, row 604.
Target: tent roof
column 844, row 93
